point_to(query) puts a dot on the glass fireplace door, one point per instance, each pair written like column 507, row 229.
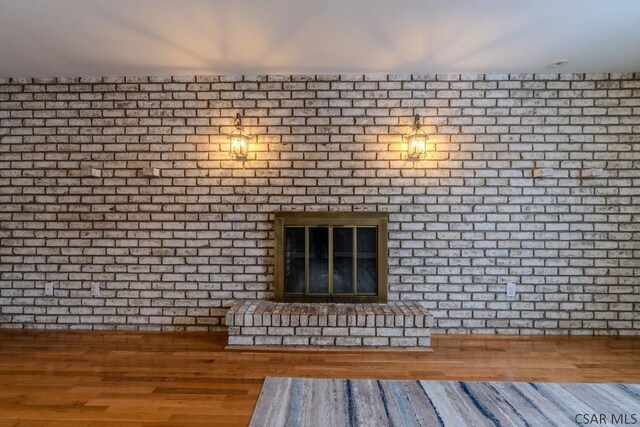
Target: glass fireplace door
column 327, row 261
column 343, row 260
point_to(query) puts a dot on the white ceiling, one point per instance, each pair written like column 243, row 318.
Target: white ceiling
column 185, row 37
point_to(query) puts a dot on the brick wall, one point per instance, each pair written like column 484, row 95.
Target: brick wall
column 172, row 252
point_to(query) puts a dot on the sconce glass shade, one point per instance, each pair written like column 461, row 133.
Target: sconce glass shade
column 417, row 148
column 238, row 146
column 417, row 141
column 239, row 141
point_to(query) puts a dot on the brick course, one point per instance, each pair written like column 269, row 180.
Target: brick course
column 535, row 179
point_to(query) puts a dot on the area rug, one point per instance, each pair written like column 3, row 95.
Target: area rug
column 321, row 402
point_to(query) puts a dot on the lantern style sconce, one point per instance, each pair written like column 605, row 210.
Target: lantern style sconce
column 239, row 141
column 417, row 141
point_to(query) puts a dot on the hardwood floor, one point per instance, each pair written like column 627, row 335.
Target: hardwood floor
column 153, row 379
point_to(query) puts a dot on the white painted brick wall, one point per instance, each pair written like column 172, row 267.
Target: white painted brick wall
column 172, row 252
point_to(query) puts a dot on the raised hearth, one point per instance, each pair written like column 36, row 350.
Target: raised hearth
column 267, row 323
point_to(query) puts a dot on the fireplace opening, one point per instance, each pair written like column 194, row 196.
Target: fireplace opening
column 331, row 257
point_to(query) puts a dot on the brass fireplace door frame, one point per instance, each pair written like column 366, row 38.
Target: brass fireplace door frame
column 335, row 219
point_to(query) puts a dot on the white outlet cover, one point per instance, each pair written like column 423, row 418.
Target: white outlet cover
column 511, row 290
column 48, row 289
column 95, row 289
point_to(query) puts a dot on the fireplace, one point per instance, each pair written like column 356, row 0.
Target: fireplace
column 331, row 257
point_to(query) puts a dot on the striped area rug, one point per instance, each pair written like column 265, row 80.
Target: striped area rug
column 321, row 402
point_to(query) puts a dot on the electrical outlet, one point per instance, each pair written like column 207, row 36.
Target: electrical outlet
column 95, row 289
column 48, row 289
column 511, row 290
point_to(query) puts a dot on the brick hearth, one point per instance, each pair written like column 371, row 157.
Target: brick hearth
column 266, row 323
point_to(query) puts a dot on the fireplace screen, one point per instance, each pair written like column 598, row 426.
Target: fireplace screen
column 331, row 257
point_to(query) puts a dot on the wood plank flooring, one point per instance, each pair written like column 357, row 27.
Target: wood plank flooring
column 158, row 379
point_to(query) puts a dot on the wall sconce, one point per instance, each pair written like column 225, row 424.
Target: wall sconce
column 417, row 141
column 239, row 141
